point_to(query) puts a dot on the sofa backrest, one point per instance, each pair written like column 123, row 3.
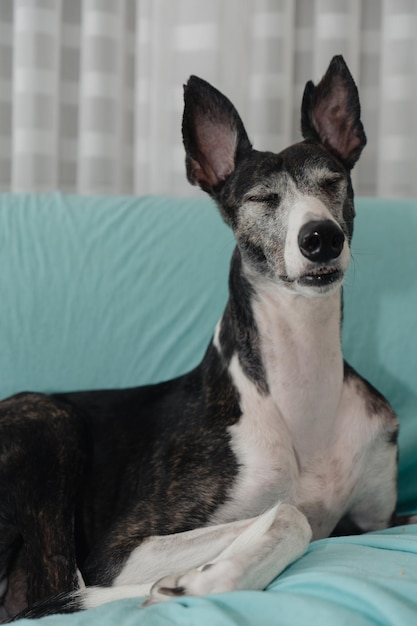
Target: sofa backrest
column 103, row 292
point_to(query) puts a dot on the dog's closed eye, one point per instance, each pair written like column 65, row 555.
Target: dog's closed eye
column 332, row 184
column 264, row 198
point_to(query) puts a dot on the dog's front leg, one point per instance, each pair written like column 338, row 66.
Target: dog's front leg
column 257, row 554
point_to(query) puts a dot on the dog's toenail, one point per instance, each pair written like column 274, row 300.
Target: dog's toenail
column 172, row 591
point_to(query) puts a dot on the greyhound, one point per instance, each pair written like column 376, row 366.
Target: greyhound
column 219, row 479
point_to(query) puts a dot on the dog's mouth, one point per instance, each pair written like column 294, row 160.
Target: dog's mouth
column 321, row 280
column 321, row 277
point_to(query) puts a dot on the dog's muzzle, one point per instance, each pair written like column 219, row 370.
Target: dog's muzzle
column 321, row 241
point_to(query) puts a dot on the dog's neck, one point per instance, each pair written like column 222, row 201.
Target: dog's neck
column 298, row 340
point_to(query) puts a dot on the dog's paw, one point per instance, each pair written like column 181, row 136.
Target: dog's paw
column 211, row 578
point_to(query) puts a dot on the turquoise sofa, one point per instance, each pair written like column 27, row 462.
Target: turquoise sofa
column 102, row 292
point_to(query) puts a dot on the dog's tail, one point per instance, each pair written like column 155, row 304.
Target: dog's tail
column 61, row 603
column 85, row 598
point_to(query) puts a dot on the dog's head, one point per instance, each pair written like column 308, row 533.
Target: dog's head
column 291, row 213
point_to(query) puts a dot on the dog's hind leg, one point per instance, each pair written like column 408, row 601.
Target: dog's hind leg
column 40, row 466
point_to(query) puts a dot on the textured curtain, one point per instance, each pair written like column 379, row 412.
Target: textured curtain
column 91, row 90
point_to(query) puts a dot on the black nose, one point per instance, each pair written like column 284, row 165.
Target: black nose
column 321, row 240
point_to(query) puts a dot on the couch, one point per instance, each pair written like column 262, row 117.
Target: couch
column 100, row 292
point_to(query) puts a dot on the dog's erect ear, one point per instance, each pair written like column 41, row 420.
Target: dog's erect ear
column 213, row 134
column 330, row 113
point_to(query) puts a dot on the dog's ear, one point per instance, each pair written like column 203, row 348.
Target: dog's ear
column 213, row 134
column 330, row 113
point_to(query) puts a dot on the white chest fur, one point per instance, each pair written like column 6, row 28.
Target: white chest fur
column 305, row 442
column 323, row 484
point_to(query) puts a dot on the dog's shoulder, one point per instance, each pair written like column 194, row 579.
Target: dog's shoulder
column 373, row 410
column 375, row 406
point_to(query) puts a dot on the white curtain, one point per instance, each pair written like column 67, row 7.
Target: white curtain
column 91, row 90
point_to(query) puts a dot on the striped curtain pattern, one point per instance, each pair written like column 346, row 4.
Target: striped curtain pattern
column 91, row 90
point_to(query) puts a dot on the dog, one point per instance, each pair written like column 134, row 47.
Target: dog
column 219, row 479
